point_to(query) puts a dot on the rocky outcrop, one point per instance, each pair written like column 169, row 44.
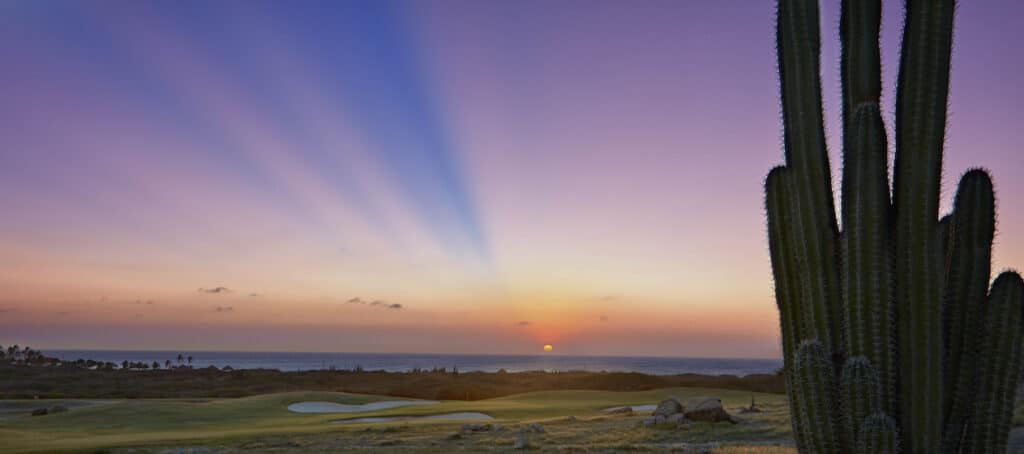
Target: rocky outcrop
column 668, row 407
column 707, row 409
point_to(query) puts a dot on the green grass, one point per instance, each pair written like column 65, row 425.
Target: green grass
column 261, row 422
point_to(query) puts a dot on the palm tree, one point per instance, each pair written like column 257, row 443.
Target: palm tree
column 189, row 360
column 180, row 358
column 167, row 364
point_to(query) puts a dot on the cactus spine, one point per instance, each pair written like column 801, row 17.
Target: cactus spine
column 880, row 322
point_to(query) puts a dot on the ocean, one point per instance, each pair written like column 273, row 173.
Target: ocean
column 401, row 362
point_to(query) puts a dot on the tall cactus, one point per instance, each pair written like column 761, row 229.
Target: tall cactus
column 880, row 322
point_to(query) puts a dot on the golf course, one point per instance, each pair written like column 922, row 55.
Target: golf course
column 547, row 420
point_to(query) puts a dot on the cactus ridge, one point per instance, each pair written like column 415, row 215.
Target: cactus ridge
column 798, row 44
column 969, row 244
column 815, row 384
column 1000, row 359
column 860, row 392
column 878, row 435
column 892, row 339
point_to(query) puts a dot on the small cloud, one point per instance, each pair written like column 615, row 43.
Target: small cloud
column 225, row 309
column 214, row 290
column 523, row 323
column 4, row 310
column 255, row 295
column 143, row 302
column 604, row 318
column 64, row 313
column 375, row 303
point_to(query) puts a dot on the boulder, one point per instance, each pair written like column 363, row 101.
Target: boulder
column 668, row 407
column 535, row 428
column 707, row 409
column 677, row 419
column 522, row 442
column 40, row 412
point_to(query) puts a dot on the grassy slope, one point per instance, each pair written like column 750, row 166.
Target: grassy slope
column 159, row 422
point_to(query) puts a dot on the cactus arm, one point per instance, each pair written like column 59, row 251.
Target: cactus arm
column 787, row 286
column 860, row 64
column 865, row 244
column 815, row 384
column 999, row 367
column 780, row 245
column 878, row 435
column 798, row 44
column 860, row 393
column 969, row 257
column 920, row 129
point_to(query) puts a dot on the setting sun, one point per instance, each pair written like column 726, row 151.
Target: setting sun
column 548, row 348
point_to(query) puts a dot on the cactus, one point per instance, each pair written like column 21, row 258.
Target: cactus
column 880, row 322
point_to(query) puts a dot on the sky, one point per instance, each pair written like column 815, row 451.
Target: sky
column 406, row 176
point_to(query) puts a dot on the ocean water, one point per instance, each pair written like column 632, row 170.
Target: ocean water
column 401, row 362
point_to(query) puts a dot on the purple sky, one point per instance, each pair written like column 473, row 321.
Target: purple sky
column 591, row 168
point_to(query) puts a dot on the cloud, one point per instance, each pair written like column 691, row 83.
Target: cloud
column 214, row 290
column 375, row 303
column 143, row 302
column 255, row 295
column 225, row 309
column 523, row 323
column 604, row 318
column 4, row 310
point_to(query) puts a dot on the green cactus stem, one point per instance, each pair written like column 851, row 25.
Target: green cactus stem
column 815, row 384
column 999, row 369
column 798, row 44
column 920, row 131
column 878, row 435
column 969, row 259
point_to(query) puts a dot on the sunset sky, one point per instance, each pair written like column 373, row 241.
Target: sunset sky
column 425, row 176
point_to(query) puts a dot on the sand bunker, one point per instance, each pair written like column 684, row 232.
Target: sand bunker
column 650, row 407
column 461, row 415
column 331, row 407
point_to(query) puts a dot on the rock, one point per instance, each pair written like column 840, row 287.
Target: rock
column 40, row 412
column 570, row 419
column 668, row 407
column 522, row 442
column 455, row 436
column 706, row 409
column 677, row 419
column 498, row 428
column 535, row 428
column 58, row 409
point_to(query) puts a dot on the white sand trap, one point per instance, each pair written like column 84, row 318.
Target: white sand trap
column 460, row 416
column 650, row 407
column 332, row 407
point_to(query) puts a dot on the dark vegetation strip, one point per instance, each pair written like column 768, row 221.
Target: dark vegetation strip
column 26, row 382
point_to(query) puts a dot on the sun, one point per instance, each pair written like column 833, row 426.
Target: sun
column 548, row 348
